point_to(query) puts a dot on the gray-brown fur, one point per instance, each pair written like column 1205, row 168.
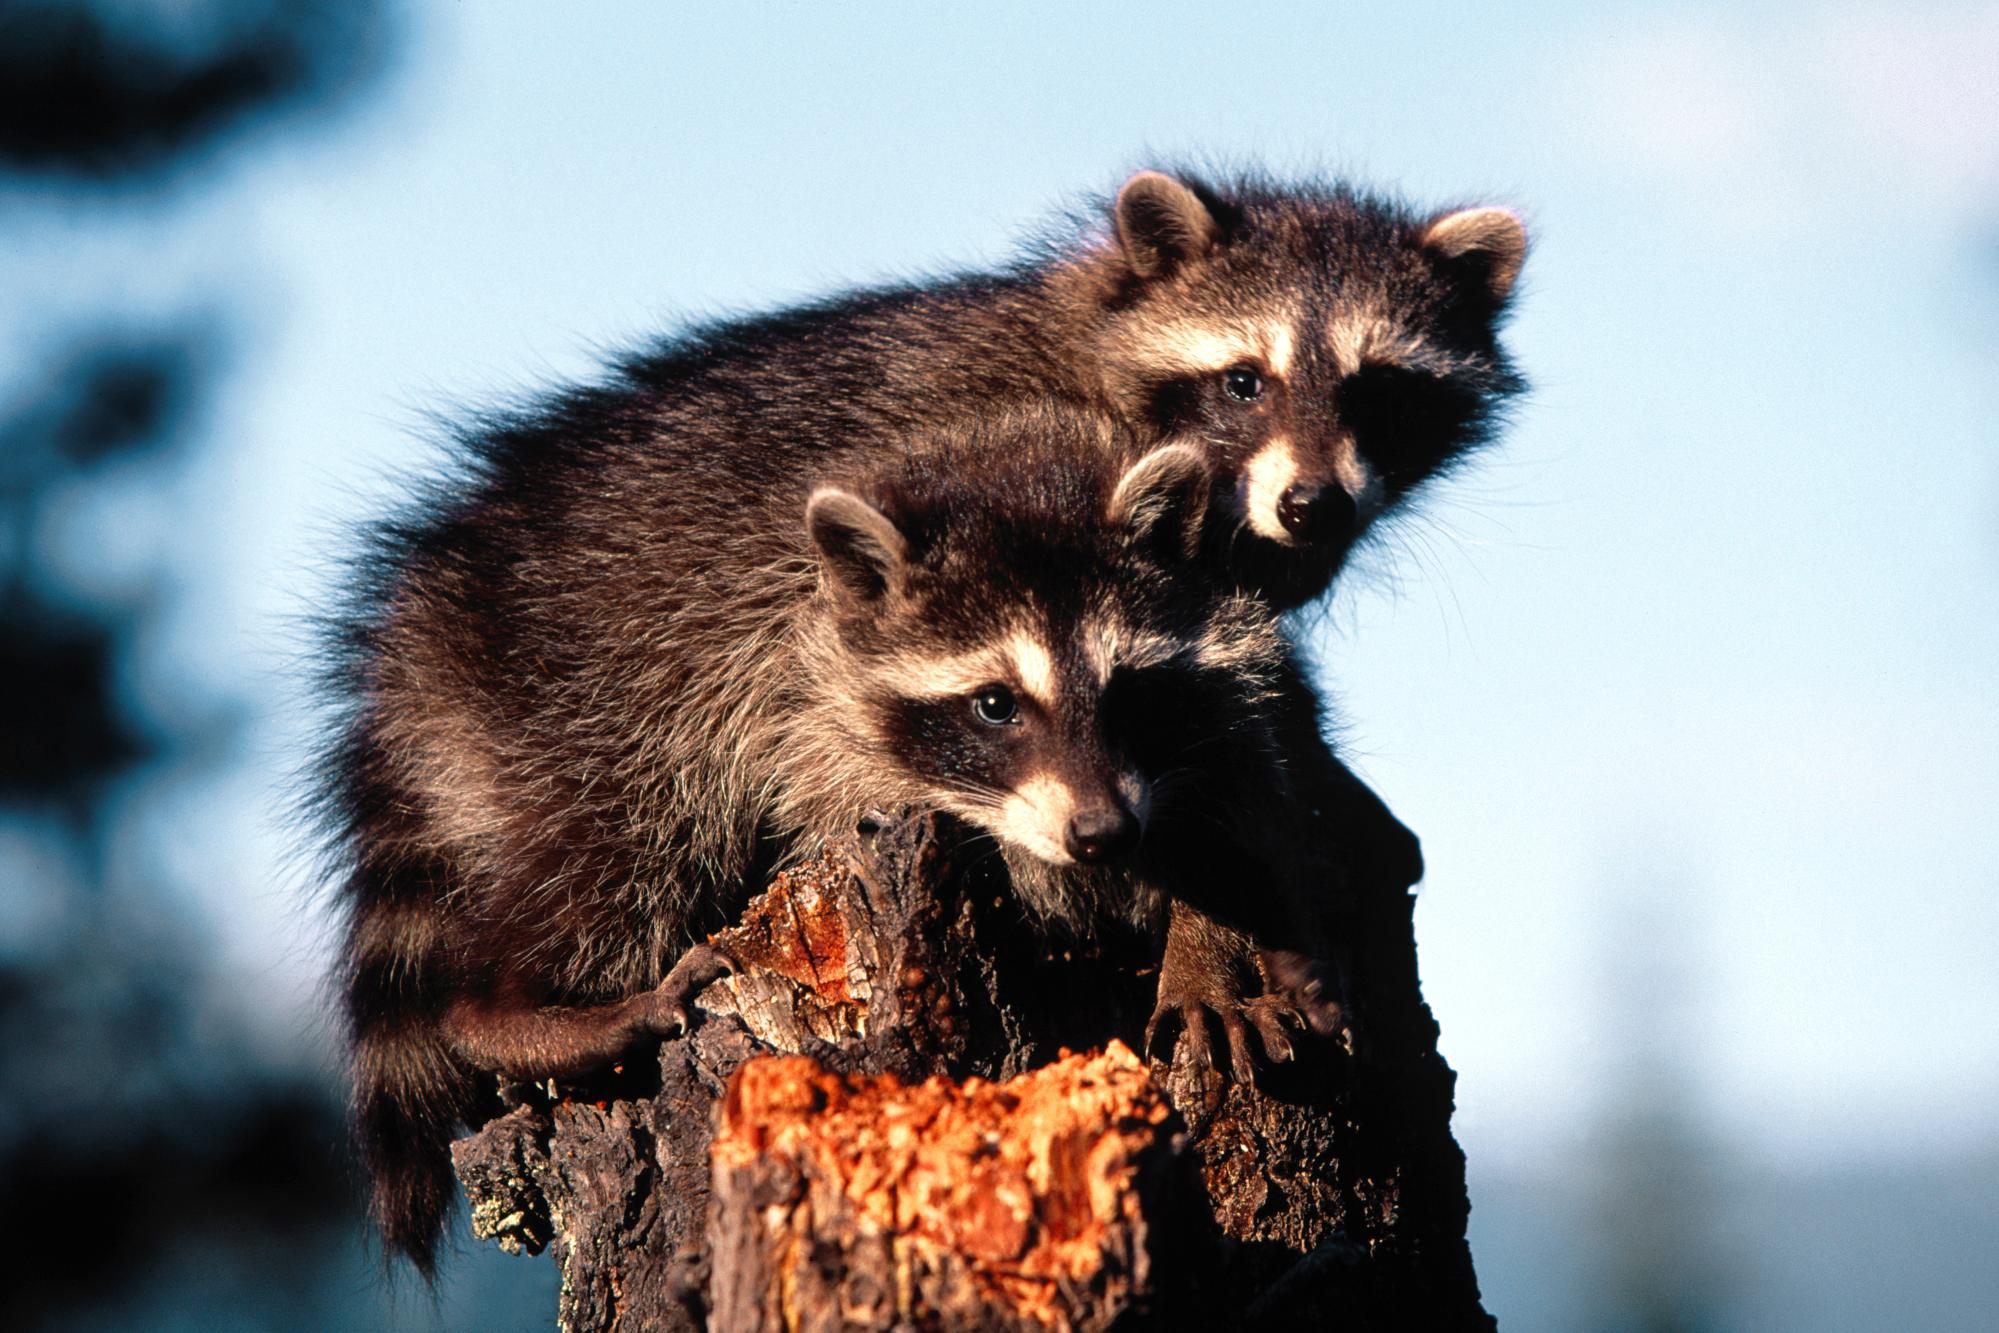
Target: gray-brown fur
column 570, row 680
column 578, row 740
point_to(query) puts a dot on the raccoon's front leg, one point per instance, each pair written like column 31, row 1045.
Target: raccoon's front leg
column 507, row 1032
column 1209, row 969
column 672, row 1000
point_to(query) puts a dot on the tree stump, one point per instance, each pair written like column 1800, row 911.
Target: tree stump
column 908, row 1110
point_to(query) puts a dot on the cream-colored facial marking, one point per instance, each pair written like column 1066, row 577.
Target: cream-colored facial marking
column 1195, row 347
column 1035, row 817
column 1283, row 345
column 1349, row 469
column 1033, row 669
column 1109, row 644
column 1019, row 660
column 1270, row 473
column 1365, row 335
column 1188, row 348
column 1099, row 640
column 918, row 677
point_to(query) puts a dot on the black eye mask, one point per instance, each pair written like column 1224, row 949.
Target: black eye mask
column 1408, row 422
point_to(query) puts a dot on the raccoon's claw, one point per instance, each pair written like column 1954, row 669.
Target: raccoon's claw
column 1237, row 1020
column 671, row 1007
column 1298, row 987
column 1194, row 1032
column 1298, row 996
column 1266, row 1013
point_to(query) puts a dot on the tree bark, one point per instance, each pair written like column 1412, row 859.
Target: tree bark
column 883, row 1122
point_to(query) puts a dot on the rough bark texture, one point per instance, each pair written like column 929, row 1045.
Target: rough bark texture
column 880, row 1124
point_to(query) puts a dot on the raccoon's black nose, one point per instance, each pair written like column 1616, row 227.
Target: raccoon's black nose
column 1097, row 836
column 1316, row 513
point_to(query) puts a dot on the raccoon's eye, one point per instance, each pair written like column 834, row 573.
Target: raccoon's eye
column 995, row 706
column 1243, row 383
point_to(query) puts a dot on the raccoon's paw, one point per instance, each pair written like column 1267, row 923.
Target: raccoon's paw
column 1192, row 1016
column 1303, row 990
column 669, row 1009
column 1191, row 1006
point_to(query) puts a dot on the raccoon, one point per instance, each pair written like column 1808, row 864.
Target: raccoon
column 589, row 703
column 1333, row 351
column 1310, row 343
column 1329, row 349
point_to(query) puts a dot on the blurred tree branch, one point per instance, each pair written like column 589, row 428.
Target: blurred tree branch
column 109, row 91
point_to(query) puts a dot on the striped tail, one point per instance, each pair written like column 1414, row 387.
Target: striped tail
column 410, row 1092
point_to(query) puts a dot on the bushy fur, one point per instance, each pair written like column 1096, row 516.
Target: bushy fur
column 585, row 720
column 578, row 708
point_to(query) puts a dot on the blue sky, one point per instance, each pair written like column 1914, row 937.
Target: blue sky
column 1689, row 686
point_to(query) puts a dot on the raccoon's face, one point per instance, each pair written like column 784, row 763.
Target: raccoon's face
column 1038, row 675
column 1330, row 352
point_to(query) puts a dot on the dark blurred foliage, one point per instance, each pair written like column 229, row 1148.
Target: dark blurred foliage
column 154, row 1166
column 91, row 407
column 135, row 1120
column 117, row 90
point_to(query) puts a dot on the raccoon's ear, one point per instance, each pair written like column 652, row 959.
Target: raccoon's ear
column 1164, row 496
column 861, row 551
column 1162, row 224
column 1483, row 247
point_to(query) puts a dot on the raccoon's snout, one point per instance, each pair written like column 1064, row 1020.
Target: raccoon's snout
column 1098, row 836
column 1317, row 513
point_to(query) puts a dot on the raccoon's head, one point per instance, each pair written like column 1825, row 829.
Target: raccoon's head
column 1028, row 646
column 1331, row 350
